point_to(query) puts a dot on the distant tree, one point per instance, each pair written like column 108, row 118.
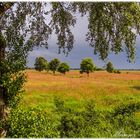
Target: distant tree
column 109, row 67
column 98, row 69
column 117, row 71
column 40, row 64
column 47, row 67
column 63, row 68
column 54, row 64
column 87, row 66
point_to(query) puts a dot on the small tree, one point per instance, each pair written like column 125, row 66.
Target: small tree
column 109, row 67
column 40, row 64
column 63, row 68
column 47, row 68
column 54, row 64
column 87, row 66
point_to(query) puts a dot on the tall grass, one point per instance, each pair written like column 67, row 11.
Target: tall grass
column 66, row 122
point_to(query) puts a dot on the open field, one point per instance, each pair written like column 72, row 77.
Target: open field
column 61, row 106
column 106, row 89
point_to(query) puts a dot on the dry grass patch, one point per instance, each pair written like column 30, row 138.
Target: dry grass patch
column 42, row 87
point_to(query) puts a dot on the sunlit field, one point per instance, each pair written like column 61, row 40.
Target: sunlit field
column 106, row 89
column 103, row 105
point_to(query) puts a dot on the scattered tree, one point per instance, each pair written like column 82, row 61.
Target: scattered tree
column 109, row 67
column 87, row 66
column 47, row 67
column 63, row 68
column 54, row 64
column 117, row 71
column 40, row 64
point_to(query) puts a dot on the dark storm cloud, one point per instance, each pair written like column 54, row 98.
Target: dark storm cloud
column 81, row 50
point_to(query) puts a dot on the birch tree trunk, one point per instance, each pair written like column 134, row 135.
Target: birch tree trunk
column 2, row 89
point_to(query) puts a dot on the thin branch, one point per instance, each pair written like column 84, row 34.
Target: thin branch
column 4, row 6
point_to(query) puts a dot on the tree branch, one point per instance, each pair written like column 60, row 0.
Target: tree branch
column 4, row 6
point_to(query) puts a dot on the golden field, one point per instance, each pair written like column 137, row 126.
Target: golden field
column 106, row 89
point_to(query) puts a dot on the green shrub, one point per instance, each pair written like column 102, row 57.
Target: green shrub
column 109, row 67
column 68, row 123
column 72, row 126
column 117, row 71
column 59, row 104
column 126, row 109
column 99, row 69
column 31, row 123
column 123, row 119
column 63, row 68
column 96, row 123
column 89, row 123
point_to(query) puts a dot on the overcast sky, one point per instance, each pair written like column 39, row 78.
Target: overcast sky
column 81, row 50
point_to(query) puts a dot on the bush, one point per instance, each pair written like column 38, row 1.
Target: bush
column 109, row 67
column 72, row 126
column 89, row 123
column 117, row 71
column 99, row 69
column 92, row 123
column 59, row 104
column 123, row 120
column 63, row 68
column 31, row 123
column 68, row 123
column 127, row 109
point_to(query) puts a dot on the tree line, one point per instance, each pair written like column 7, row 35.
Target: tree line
column 54, row 65
column 86, row 66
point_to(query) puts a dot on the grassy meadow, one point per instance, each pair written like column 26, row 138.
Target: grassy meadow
column 103, row 105
column 106, row 89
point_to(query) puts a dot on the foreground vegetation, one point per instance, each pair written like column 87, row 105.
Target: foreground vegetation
column 67, row 122
column 74, row 105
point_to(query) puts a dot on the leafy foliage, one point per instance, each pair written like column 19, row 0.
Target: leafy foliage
column 110, row 24
column 63, row 68
column 31, row 123
column 12, row 75
column 94, row 123
column 71, row 126
column 109, row 67
column 123, row 117
column 40, row 64
column 59, row 104
column 54, row 64
column 65, row 122
column 87, row 66
column 117, row 71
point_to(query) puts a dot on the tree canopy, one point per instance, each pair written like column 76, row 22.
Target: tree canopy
column 112, row 26
column 109, row 67
column 40, row 63
column 87, row 66
column 54, row 64
column 63, row 68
